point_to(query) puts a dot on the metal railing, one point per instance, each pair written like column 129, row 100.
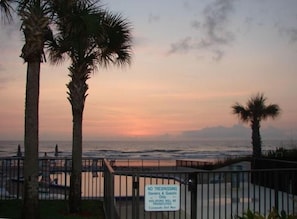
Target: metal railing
column 224, row 193
column 122, row 184
column 54, row 178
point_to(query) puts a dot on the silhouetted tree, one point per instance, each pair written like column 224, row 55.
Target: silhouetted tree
column 35, row 22
column 90, row 37
column 255, row 111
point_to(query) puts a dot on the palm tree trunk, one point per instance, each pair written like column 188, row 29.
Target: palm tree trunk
column 31, row 205
column 75, row 179
column 77, row 95
column 256, row 140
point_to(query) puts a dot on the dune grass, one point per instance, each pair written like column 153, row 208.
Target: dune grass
column 50, row 209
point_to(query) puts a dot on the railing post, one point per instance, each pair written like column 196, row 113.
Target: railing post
column 276, row 188
column 135, row 197
column 109, row 202
column 65, row 178
column 18, row 178
column 192, row 186
column 111, row 195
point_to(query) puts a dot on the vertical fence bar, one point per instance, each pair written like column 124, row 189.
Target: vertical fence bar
column 126, row 194
column 225, row 193
column 135, row 196
column 237, row 199
column 207, row 184
column 193, row 190
column 65, row 178
column 18, row 177
column 213, row 194
column 276, row 187
column 109, row 204
column 201, row 193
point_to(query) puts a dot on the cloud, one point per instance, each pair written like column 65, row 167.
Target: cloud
column 288, row 33
column 195, row 24
column 216, row 18
column 184, row 45
column 213, row 29
column 218, row 55
column 153, row 18
column 291, row 34
column 234, row 132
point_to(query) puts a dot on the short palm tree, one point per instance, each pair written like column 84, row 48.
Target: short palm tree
column 35, row 26
column 254, row 112
column 90, row 37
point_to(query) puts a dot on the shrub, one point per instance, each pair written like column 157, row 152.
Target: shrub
column 283, row 154
column 272, row 215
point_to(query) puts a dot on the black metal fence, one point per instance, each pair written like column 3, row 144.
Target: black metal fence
column 54, row 178
column 140, row 189
column 223, row 193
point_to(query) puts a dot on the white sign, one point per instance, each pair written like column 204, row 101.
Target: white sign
column 162, row 197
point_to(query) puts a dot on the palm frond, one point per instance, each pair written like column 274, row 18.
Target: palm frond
column 241, row 111
column 6, row 10
column 91, row 35
column 272, row 110
column 117, row 45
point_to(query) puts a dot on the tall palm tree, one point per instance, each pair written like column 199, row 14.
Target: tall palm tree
column 254, row 112
column 35, row 27
column 90, row 37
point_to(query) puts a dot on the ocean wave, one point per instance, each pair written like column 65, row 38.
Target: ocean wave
column 145, row 149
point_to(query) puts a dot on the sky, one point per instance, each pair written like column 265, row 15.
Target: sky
column 192, row 60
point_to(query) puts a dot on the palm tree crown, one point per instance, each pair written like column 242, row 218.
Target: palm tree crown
column 254, row 112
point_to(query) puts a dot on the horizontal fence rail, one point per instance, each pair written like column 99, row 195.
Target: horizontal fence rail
column 165, row 189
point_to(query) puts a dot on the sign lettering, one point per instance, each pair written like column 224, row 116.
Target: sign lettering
column 162, row 197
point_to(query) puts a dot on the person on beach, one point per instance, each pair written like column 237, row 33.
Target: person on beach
column 56, row 151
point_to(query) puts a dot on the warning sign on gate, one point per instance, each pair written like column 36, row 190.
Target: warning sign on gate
column 162, row 197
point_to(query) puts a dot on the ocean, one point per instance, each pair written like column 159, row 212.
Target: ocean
column 191, row 150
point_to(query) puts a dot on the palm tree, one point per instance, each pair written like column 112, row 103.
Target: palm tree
column 35, row 26
column 91, row 37
column 254, row 112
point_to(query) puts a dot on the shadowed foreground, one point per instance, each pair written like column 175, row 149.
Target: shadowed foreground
column 53, row 209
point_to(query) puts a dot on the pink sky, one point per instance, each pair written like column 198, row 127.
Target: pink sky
column 191, row 61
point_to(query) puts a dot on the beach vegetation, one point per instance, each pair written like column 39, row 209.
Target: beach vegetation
column 250, row 215
column 254, row 112
column 273, row 214
column 222, row 162
column 89, row 36
column 283, row 154
column 57, row 209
